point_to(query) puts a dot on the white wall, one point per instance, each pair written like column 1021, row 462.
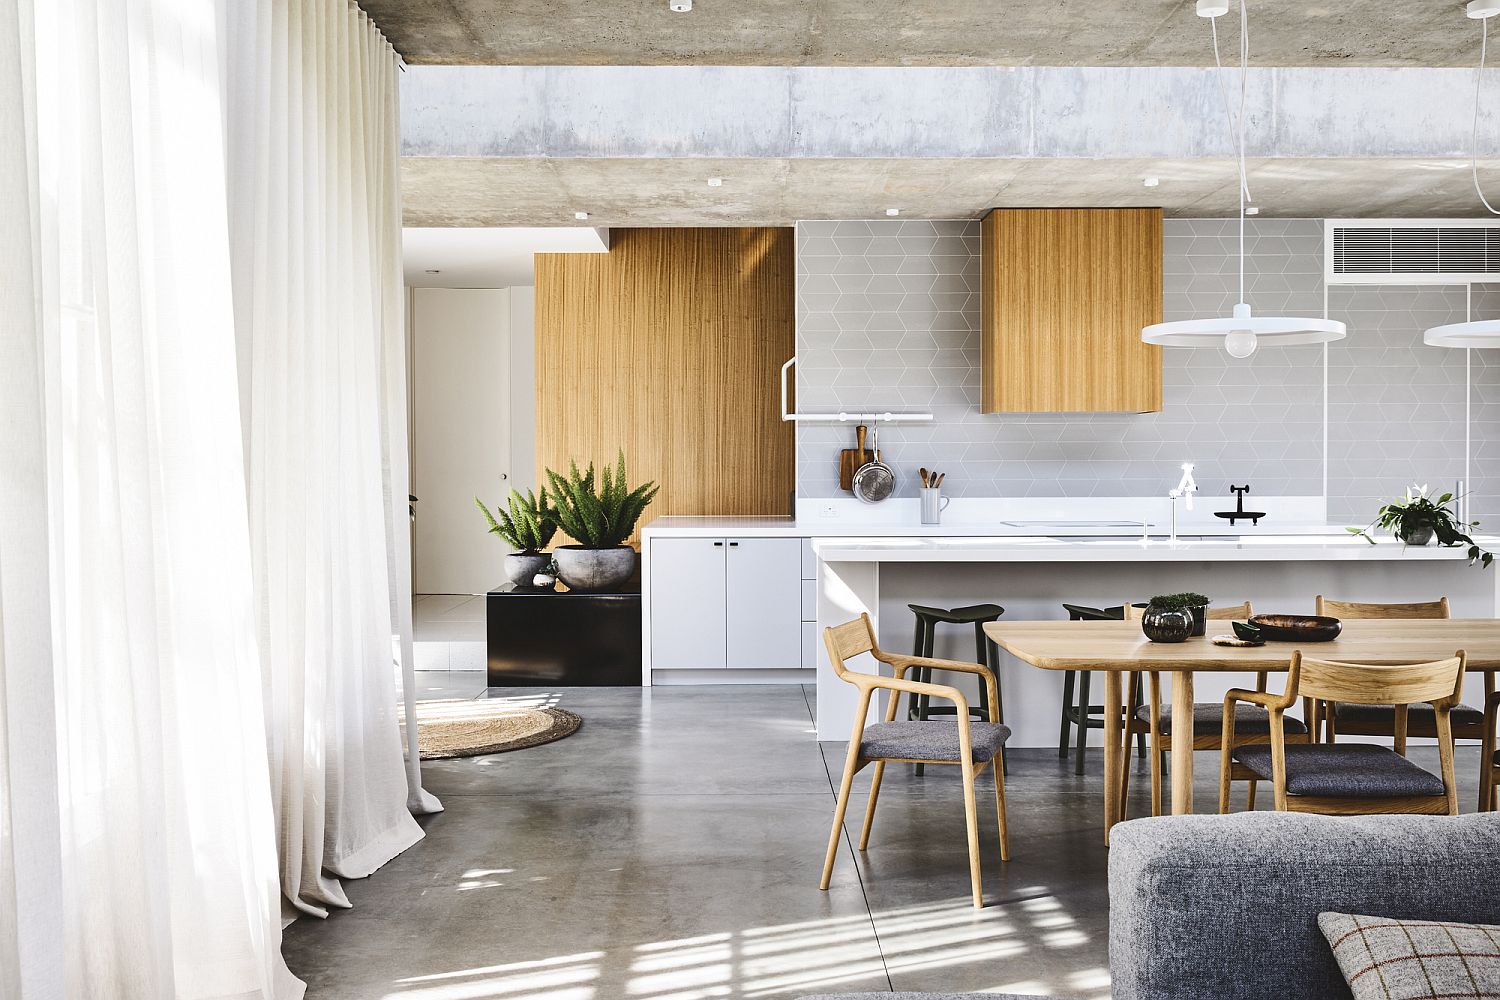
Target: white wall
column 472, row 390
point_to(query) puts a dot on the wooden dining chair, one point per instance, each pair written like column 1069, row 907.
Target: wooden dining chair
column 1350, row 779
column 1489, row 760
column 1154, row 719
column 973, row 746
column 1380, row 720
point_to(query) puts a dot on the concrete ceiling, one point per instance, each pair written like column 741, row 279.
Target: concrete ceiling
column 488, row 257
column 541, row 191
column 919, row 32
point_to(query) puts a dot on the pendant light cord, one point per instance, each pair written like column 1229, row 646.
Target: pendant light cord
column 1484, row 44
column 1237, row 122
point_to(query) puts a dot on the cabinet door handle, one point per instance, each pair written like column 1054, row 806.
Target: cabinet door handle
column 717, row 544
column 734, row 545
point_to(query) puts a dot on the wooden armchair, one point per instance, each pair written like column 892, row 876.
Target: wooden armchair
column 973, row 746
column 1380, row 720
column 1351, row 778
column 1253, row 725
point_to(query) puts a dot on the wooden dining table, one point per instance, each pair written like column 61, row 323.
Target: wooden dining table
column 1117, row 648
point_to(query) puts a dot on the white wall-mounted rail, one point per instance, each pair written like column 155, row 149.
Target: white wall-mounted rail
column 843, row 416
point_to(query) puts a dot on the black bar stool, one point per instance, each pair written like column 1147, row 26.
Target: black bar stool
column 1082, row 714
column 985, row 652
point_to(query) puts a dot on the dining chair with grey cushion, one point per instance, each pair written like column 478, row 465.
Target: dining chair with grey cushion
column 972, row 746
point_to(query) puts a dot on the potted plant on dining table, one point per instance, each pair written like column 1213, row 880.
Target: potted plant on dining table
column 1175, row 617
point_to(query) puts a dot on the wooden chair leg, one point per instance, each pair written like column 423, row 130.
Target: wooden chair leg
column 971, row 822
column 1067, row 707
column 1252, row 783
column 864, row 834
column 1084, row 677
column 1330, row 721
column 1000, row 810
column 838, row 812
column 1158, row 748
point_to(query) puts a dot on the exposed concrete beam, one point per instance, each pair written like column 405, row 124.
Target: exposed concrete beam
column 883, row 112
column 919, row 32
column 538, row 191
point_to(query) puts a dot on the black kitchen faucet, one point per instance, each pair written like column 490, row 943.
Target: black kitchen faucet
column 1239, row 512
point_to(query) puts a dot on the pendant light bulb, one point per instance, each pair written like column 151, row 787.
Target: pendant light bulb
column 1240, row 343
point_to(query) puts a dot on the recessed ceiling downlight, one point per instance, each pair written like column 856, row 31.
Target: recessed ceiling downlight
column 893, row 211
column 680, row 6
column 580, row 216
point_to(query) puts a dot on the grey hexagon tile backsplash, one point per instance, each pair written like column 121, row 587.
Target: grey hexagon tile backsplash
column 888, row 319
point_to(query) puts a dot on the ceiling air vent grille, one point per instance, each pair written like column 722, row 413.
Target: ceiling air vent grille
column 1434, row 251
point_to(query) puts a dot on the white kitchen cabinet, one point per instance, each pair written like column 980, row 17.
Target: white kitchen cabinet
column 687, row 604
column 764, row 602
column 726, row 602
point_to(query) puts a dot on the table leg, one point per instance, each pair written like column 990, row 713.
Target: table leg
column 1182, row 749
column 1114, row 734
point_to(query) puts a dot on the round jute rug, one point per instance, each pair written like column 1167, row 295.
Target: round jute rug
column 469, row 728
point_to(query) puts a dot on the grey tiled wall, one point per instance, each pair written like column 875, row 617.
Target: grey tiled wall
column 1395, row 405
column 888, row 316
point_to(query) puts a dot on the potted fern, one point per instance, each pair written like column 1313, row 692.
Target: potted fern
column 599, row 519
column 527, row 525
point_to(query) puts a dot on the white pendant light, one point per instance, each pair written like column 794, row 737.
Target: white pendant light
column 1241, row 332
column 1485, row 332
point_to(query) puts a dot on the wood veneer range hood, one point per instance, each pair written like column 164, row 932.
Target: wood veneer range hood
column 1065, row 293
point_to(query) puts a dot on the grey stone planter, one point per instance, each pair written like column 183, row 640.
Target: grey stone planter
column 1419, row 536
column 594, row 570
column 521, row 568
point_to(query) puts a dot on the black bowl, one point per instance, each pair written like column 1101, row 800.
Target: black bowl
column 1297, row 628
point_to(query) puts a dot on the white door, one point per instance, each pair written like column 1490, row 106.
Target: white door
column 764, row 609
column 687, row 603
column 460, row 435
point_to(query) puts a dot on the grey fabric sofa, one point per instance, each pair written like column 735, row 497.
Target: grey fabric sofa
column 1225, row 907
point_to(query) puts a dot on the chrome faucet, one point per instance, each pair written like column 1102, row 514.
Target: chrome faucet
column 1186, row 487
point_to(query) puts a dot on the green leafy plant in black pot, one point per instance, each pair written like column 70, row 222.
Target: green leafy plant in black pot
column 1416, row 519
column 527, row 525
column 1175, row 617
column 599, row 518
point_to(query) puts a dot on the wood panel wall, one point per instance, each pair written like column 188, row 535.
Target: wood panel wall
column 1064, row 295
column 669, row 347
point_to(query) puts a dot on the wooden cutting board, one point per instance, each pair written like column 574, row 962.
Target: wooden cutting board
column 850, row 459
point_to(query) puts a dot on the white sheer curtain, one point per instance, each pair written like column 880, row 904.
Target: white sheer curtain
column 124, row 531
column 316, row 233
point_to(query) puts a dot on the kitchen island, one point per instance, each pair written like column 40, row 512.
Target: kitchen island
column 744, row 599
column 1031, row 577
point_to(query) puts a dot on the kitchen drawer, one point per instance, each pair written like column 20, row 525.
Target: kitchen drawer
column 809, row 561
column 809, row 600
column 810, row 645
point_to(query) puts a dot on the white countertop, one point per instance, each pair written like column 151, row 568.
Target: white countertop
column 780, row 527
column 1273, row 548
column 1057, row 542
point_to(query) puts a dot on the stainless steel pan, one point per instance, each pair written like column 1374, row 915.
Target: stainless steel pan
column 874, row 481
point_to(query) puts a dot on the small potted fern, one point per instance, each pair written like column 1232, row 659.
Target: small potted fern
column 599, row 519
column 527, row 525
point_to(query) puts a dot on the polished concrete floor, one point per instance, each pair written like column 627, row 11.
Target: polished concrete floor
column 670, row 850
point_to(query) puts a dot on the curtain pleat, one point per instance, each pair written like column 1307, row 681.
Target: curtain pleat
column 318, row 282
column 31, row 949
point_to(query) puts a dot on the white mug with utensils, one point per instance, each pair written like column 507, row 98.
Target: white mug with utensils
column 933, row 504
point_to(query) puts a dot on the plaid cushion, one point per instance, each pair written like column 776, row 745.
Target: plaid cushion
column 1385, row 959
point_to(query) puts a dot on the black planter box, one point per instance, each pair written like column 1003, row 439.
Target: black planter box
column 552, row 638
